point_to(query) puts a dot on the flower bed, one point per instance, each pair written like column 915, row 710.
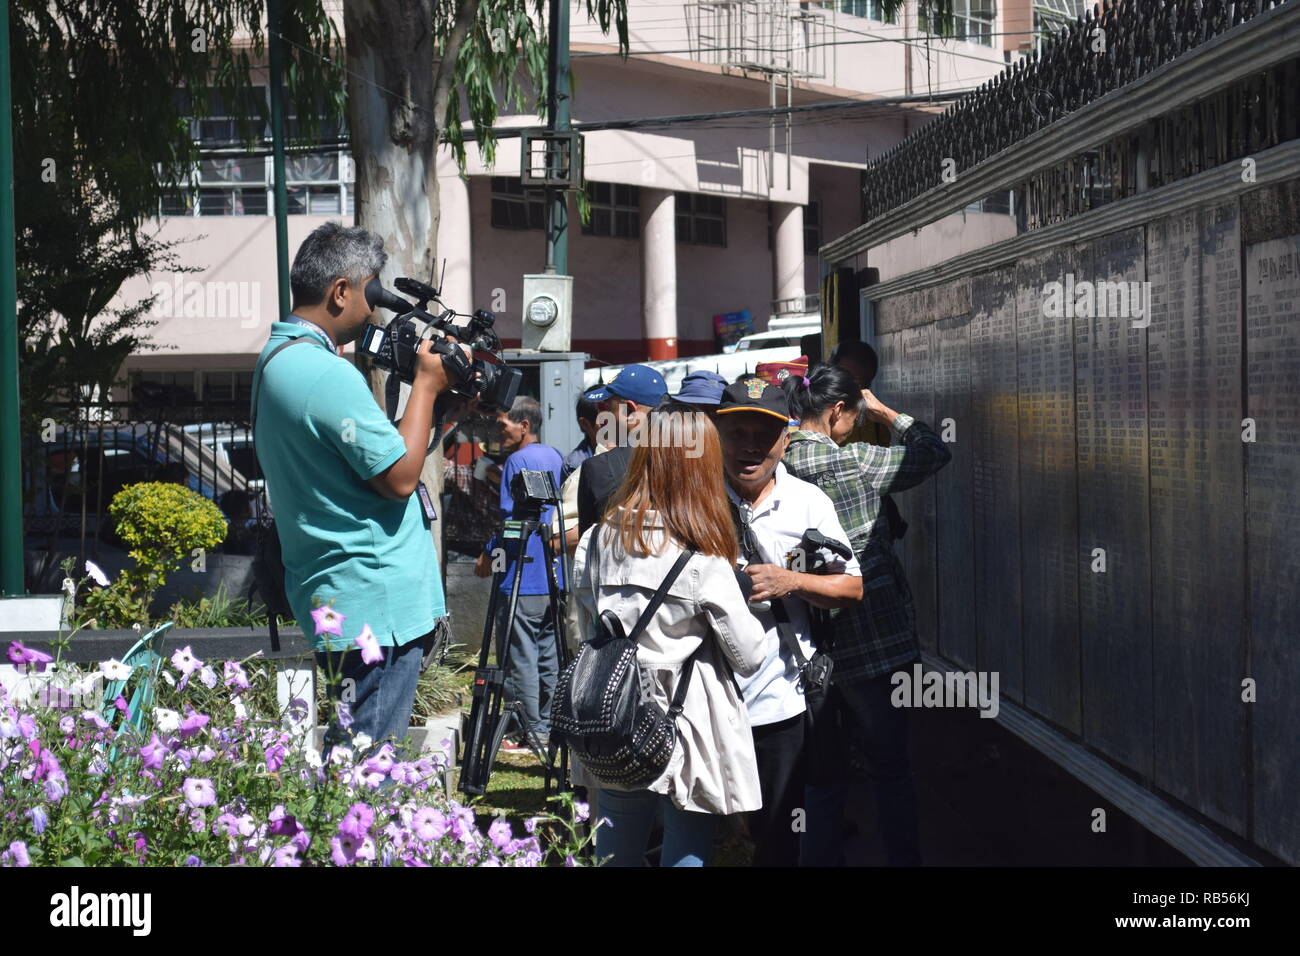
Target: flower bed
column 212, row 772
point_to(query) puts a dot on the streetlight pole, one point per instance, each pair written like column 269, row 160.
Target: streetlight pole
column 11, row 490
column 557, row 121
column 277, row 151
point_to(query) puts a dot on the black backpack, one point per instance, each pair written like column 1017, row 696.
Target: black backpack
column 603, row 705
column 268, row 565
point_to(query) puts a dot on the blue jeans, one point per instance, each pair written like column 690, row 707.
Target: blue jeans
column 380, row 695
column 688, row 836
column 534, row 659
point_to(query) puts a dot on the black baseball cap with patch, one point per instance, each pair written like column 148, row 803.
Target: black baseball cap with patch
column 755, row 395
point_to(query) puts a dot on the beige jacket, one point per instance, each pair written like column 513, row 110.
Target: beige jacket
column 713, row 769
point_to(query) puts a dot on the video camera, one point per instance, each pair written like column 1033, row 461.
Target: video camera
column 393, row 347
column 532, row 491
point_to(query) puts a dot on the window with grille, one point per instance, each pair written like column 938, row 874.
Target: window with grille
column 228, row 182
column 972, row 20
column 615, row 211
column 702, row 219
column 514, row 207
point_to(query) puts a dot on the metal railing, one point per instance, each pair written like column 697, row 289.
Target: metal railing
column 1096, row 55
column 84, row 454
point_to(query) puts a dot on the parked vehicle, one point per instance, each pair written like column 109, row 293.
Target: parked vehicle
column 780, row 343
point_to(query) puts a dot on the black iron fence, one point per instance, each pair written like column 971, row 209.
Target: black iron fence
column 1106, row 48
column 81, row 455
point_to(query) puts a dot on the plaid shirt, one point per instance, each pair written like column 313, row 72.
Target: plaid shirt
column 875, row 637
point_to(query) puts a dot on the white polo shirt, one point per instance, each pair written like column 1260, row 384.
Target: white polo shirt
column 780, row 520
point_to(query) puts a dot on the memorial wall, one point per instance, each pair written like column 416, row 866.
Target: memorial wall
column 1118, row 534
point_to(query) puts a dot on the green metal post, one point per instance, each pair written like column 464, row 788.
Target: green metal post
column 11, row 486
column 277, row 152
column 557, row 119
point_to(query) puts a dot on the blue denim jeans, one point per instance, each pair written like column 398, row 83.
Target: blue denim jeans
column 534, row 659
column 688, row 836
column 380, row 695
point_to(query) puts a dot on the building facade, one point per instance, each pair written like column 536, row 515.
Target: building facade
column 689, row 217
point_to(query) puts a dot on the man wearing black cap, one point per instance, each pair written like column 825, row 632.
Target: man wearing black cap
column 624, row 403
column 774, row 510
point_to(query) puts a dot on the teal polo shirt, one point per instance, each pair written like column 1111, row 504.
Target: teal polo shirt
column 320, row 436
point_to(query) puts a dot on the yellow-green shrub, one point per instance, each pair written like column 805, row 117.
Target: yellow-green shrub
column 162, row 523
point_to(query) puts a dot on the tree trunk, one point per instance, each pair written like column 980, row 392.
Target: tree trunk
column 394, row 139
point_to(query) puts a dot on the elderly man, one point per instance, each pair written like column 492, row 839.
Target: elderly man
column 774, row 509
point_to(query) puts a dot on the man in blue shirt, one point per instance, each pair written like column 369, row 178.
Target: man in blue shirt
column 534, row 661
column 361, row 573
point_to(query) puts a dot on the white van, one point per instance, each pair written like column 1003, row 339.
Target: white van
column 780, row 343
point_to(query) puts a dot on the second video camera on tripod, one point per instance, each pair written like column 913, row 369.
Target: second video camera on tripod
column 393, row 347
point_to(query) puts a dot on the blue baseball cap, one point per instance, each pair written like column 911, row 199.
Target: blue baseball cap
column 702, row 388
column 636, row 383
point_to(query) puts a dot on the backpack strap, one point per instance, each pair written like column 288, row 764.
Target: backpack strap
column 688, row 668
column 258, row 374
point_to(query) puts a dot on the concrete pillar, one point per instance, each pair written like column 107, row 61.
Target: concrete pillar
column 659, row 272
column 787, row 251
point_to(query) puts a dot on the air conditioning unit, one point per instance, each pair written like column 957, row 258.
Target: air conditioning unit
column 547, row 313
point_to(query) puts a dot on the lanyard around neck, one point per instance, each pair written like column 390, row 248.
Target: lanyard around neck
column 296, row 320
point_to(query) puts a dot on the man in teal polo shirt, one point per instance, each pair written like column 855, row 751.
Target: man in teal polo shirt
column 361, row 573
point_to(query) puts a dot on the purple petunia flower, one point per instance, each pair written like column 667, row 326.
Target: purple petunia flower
column 499, row 832
column 235, row 676
column 16, row 855
column 185, row 661
column 199, row 792
column 357, row 822
column 369, row 644
column 286, row 856
column 328, row 621
column 192, row 724
column 582, row 811
column 429, row 824
column 26, row 656
column 343, row 850
column 381, row 762
column 153, row 753
column 282, row 823
column 193, row 860
column 275, row 757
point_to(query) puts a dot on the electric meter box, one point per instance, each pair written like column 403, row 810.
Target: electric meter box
column 547, row 313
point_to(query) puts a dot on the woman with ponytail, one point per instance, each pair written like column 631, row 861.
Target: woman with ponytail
column 870, row 640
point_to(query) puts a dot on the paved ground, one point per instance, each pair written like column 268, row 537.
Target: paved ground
column 988, row 799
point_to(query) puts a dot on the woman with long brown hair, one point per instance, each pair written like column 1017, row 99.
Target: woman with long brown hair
column 671, row 501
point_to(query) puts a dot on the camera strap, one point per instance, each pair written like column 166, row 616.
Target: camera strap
column 258, row 374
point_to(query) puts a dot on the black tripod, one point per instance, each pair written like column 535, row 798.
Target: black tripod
column 490, row 716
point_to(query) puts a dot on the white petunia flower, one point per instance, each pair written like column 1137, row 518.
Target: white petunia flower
column 96, row 575
column 115, row 670
column 167, row 721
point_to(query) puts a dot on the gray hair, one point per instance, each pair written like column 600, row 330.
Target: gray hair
column 330, row 253
column 526, row 409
